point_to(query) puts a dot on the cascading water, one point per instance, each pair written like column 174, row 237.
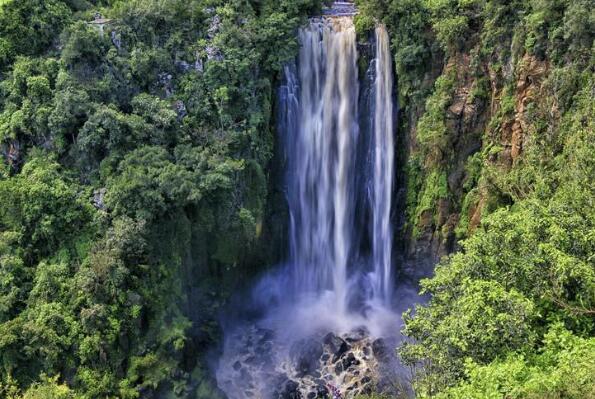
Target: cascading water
column 322, row 151
column 321, row 157
column 338, row 278
column 383, row 168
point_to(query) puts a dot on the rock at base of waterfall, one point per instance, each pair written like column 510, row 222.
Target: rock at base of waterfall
column 306, row 355
column 336, row 345
column 262, row 365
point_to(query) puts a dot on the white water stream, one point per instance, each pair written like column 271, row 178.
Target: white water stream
column 339, row 185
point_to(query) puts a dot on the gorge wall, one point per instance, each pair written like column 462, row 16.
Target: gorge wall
column 472, row 99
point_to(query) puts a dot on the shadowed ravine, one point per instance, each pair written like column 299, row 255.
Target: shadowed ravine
column 329, row 313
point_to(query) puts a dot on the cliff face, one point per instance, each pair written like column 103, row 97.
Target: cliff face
column 478, row 133
column 484, row 90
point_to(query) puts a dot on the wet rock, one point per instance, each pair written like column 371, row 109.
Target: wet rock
column 357, row 334
column 183, row 66
column 198, row 64
column 250, row 360
column 336, row 345
column 214, row 27
column 245, row 376
column 349, row 361
column 279, row 380
column 12, row 153
column 366, row 390
column 166, row 82
column 381, row 350
column 213, row 53
column 291, row 391
column 267, row 336
column 322, row 391
column 306, row 369
column 306, row 355
column 99, row 198
column 264, row 348
column 116, row 39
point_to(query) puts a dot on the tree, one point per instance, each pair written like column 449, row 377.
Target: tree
column 29, row 27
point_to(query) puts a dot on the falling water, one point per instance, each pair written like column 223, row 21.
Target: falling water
column 339, row 183
column 322, row 152
column 383, row 168
column 321, row 158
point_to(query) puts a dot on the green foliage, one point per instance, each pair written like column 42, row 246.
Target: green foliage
column 364, row 24
column 132, row 179
column 135, row 176
column 451, row 20
column 27, row 95
column 148, row 182
column 472, row 188
column 431, row 128
column 41, row 209
column 529, row 266
column 48, row 388
column 29, row 27
column 434, row 189
column 564, row 368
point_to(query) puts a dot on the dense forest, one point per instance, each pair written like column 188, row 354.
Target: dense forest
column 138, row 189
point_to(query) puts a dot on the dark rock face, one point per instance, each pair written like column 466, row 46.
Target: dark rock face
column 291, row 391
column 306, row 356
column 336, row 345
column 381, row 350
column 349, row 361
column 357, row 334
column 99, row 198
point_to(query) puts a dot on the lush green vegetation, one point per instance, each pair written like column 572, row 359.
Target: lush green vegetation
column 133, row 175
column 133, row 188
column 511, row 314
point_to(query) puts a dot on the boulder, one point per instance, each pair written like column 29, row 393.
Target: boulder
column 291, row 391
column 349, row 361
column 336, row 345
column 381, row 350
column 357, row 334
column 305, row 355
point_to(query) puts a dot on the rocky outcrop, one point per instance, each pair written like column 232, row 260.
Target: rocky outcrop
column 465, row 118
column 11, row 151
column 262, row 365
column 528, row 86
column 476, row 116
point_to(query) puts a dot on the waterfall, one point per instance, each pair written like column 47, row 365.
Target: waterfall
column 336, row 285
column 383, row 167
column 321, row 158
column 321, row 146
